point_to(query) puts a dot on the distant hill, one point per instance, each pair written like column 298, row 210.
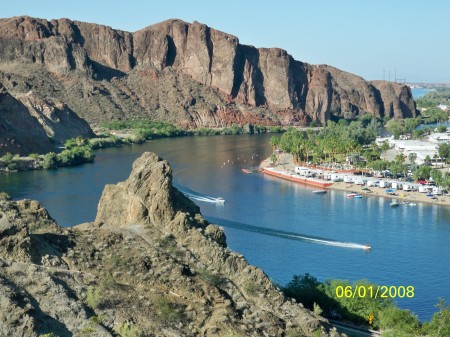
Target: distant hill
column 188, row 74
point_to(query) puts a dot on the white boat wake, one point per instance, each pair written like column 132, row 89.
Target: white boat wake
column 287, row 235
column 204, row 198
column 198, row 196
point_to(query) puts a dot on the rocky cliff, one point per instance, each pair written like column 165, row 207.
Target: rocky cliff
column 149, row 263
column 189, row 74
column 29, row 124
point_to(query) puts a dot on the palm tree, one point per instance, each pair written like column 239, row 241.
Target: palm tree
column 412, row 157
column 385, row 147
column 274, row 142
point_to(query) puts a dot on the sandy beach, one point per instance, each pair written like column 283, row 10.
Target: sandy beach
column 285, row 162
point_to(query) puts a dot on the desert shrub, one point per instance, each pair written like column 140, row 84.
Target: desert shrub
column 93, row 297
column 317, row 310
column 128, row 329
column 252, row 289
column 211, row 278
column 4, row 196
column 169, row 311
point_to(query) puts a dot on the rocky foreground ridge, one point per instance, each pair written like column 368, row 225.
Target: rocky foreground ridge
column 188, row 74
column 149, row 264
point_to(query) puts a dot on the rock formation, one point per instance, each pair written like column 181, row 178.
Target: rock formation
column 188, row 74
column 29, row 124
column 149, row 263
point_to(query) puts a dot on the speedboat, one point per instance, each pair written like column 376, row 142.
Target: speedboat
column 249, row 170
column 220, row 200
column 320, row 191
column 367, row 247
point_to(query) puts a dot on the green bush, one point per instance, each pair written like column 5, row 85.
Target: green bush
column 211, row 278
column 33, row 156
column 4, row 196
column 50, row 160
column 169, row 311
column 252, row 289
column 93, row 297
column 397, row 322
column 129, row 329
column 440, row 322
column 7, row 158
column 275, row 129
column 76, row 155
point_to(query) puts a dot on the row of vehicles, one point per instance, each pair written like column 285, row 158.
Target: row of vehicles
column 372, row 181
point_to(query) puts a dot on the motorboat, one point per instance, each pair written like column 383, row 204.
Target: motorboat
column 249, row 170
column 367, row 247
column 220, row 200
column 394, row 204
column 320, row 191
column 354, row 195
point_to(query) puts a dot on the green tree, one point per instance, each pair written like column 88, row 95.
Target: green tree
column 441, row 128
column 385, row 147
column 50, row 160
column 440, row 322
column 422, row 173
column 437, row 177
column 412, row 157
column 274, row 142
column 444, row 151
column 397, row 322
column 7, row 158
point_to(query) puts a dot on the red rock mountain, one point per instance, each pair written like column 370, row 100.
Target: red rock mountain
column 188, row 74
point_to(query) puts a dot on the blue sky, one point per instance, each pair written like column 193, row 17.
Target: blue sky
column 360, row 36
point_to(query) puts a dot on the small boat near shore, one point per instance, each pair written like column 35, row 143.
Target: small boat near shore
column 354, row 195
column 394, row 203
column 249, row 170
column 320, row 191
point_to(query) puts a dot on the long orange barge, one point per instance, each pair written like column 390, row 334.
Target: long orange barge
column 296, row 178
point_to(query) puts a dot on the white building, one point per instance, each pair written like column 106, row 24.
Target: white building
column 439, row 137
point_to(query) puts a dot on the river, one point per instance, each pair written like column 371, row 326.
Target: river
column 409, row 244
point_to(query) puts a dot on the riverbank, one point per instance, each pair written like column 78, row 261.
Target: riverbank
column 117, row 134
column 285, row 163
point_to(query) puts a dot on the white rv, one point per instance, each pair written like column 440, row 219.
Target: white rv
column 407, row 187
column 384, row 184
column 303, row 171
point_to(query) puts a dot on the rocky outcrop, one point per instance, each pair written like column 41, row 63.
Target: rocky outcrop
column 149, row 263
column 29, row 124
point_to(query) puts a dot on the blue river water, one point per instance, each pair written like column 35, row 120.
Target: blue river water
column 419, row 92
column 325, row 232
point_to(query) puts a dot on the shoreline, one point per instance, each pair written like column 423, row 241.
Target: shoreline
column 286, row 163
